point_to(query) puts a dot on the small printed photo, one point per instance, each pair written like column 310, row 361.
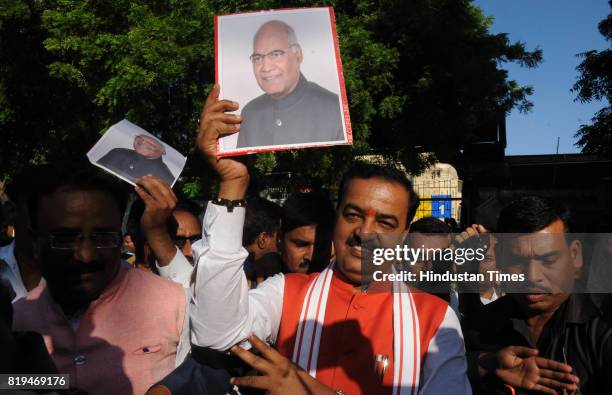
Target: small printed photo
column 130, row 152
column 283, row 68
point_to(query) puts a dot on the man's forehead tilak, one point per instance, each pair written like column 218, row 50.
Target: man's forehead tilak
column 381, row 196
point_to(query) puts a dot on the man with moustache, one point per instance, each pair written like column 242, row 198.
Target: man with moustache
column 292, row 109
column 543, row 337
column 351, row 340
column 144, row 159
column 114, row 330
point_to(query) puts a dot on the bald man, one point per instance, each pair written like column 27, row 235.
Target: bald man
column 144, row 159
column 292, row 109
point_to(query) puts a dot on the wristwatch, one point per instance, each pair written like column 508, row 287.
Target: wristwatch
column 229, row 204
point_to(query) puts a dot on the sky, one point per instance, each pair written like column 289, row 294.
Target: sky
column 562, row 29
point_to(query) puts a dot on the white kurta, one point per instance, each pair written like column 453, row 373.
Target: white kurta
column 224, row 311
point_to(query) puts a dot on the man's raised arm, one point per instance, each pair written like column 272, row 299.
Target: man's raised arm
column 160, row 202
column 222, row 311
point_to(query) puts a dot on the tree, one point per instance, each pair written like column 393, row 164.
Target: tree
column 419, row 73
column 36, row 110
column 595, row 83
column 448, row 79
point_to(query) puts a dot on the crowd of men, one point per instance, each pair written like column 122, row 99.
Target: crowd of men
column 245, row 296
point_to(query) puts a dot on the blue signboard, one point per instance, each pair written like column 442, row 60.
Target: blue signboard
column 441, row 206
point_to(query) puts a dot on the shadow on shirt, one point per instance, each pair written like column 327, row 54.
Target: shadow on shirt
column 208, row 371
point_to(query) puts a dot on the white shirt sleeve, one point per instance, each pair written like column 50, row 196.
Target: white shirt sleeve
column 178, row 270
column 445, row 367
column 223, row 311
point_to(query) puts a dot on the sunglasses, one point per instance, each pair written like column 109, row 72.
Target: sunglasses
column 180, row 241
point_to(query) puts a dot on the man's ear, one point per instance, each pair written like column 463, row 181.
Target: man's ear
column 575, row 250
column 298, row 53
column 262, row 240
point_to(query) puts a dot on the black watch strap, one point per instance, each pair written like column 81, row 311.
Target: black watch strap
column 229, row 204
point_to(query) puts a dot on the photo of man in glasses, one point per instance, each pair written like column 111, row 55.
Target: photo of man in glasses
column 292, row 110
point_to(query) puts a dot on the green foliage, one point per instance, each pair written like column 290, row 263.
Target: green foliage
column 595, row 83
column 420, row 73
column 192, row 189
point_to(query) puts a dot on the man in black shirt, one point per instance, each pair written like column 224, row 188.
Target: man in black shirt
column 541, row 338
column 291, row 110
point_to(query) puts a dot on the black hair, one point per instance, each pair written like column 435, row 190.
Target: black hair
column 189, row 206
column 366, row 171
column 430, row 225
column 311, row 209
column 452, row 224
column 74, row 176
column 306, row 209
column 261, row 216
column 530, row 214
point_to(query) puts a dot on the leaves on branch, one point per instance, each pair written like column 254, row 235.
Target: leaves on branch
column 595, row 83
column 422, row 73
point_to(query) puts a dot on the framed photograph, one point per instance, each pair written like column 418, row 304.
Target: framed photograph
column 283, row 68
column 130, row 152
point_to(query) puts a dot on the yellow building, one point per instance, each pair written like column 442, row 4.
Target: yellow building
column 439, row 188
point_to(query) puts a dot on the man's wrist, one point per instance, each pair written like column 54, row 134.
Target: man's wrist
column 230, row 205
column 234, row 189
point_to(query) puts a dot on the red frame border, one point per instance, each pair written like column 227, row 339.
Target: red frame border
column 343, row 97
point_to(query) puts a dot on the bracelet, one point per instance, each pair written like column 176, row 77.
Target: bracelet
column 229, row 204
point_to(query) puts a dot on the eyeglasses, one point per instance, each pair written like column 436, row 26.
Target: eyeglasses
column 180, row 241
column 70, row 240
column 258, row 58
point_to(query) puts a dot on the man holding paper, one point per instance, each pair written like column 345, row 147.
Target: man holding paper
column 351, row 341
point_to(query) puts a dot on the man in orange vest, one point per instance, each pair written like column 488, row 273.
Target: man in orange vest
column 351, row 340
